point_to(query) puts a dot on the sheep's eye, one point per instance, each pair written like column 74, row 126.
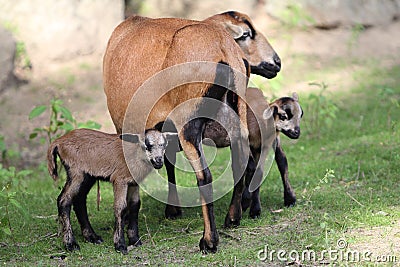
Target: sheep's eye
column 245, row 35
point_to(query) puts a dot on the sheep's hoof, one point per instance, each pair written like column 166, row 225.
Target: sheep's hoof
column 205, row 248
column 173, row 212
column 290, row 200
column 230, row 223
column 255, row 212
column 255, row 209
column 95, row 239
column 245, row 203
column 121, row 248
column 72, row 246
column 135, row 242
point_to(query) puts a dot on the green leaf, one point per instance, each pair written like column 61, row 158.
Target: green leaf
column 6, row 230
column 37, row 111
column 15, row 203
column 89, row 124
column 33, row 135
column 66, row 114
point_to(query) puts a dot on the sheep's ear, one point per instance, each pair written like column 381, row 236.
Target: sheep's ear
column 171, row 136
column 278, row 112
column 268, row 112
column 295, row 96
column 234, row 30
column 131, row 138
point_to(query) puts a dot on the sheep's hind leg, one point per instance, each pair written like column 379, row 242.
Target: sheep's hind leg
column 133, row 200
column 64, row 203
column 80, row 209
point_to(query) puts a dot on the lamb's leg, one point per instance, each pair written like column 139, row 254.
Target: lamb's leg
column 64, row 202
column 247, row 196
column 133, row 199
column 280, row 158
column 172, row 209
column 80, row 209
column 120, row 209
column 190, row 138
column 238, row 153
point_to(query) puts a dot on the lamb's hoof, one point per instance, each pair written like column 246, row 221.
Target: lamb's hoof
column 72, row 246
column 206, row 248
column 290, row 201
column 173, row 212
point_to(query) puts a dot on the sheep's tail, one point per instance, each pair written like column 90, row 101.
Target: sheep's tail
column 52, row 154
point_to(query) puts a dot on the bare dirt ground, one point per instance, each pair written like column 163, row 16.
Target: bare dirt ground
column 331, row 56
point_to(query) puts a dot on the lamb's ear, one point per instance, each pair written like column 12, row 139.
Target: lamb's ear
column 278, row 111
column 268, row 112
column 295, row 96
column 171, row 136
column 131, row 138
column 234, row 30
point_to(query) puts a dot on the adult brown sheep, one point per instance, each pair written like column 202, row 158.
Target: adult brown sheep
column 140, row 48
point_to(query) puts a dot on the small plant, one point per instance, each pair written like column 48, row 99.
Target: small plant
column 10, row 185
column 329, row 175
column 321, row 111
column 61, row 121
column 356, row 30
column 295, row 16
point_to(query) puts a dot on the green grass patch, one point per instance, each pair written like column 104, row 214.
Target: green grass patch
column 346, row 179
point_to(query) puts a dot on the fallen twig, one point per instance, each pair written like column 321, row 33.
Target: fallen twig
column 355, row 200
column 148, row 231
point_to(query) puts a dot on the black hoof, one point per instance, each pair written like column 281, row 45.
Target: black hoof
column 135, row 242
column 230, row 223
column 206, row 248
column 121, row 248
column 173, row 212
column 290, row 201
column 72, row 246
column 95, row 239
column 255, row 213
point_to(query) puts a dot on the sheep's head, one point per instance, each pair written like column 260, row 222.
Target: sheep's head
column 154, row 144
column 287, row 114
column 259, row 53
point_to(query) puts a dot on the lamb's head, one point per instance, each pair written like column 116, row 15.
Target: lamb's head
column 287, row 114
column 259, row 53
column 154, row 144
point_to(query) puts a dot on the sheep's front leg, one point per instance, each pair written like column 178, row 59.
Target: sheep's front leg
column 190, row 138
column 120, row 209
column 280, row 158
column 133, row 199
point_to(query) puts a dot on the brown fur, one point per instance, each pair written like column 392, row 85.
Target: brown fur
column 141, row 47
column 89, row 155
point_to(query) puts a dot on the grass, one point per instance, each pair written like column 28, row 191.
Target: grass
column 362, row 147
